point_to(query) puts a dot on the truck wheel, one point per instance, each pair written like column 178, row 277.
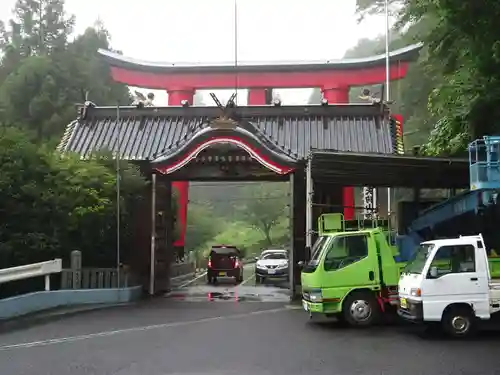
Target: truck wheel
column 360, row 309
column 459, row 322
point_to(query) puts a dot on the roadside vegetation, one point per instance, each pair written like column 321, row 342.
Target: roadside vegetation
column 251, row 216
column 51, row 205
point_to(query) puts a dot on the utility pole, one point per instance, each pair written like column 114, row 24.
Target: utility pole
column 387, row 88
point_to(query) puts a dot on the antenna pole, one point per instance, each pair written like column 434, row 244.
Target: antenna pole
column 387, row 92
column 387, row 60
column 236, row 82
column 118, row 196
column 42, row 38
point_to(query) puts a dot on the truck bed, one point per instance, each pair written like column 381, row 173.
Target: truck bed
column 494, row 263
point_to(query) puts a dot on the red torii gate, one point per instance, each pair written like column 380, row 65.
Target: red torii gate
column 335, row 78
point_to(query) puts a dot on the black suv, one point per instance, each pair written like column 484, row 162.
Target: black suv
column 224, row 261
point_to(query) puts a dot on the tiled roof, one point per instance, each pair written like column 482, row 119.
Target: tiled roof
column 295, row 130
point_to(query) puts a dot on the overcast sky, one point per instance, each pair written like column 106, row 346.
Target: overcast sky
column 203, row 30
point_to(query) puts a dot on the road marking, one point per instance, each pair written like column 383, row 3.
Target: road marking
column 204, row 274
column 70, row 339
column 246, row 280
column 192, row 280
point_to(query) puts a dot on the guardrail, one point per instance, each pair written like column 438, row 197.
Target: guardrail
column 29, row 271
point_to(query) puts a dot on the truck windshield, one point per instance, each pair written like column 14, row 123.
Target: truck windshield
column 417, row 261
column 316, row 252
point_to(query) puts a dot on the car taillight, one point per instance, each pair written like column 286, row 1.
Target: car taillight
column 209, row 263
column 236, row 263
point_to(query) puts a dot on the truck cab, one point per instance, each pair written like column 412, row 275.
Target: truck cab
column 351, row 275
column 449, row 281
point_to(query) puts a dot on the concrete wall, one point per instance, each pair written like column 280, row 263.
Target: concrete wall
column 38, row 301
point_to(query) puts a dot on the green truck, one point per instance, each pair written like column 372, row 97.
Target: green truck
column 352, row 273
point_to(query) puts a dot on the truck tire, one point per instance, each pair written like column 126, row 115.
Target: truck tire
column 360, row 309
column 459, row 321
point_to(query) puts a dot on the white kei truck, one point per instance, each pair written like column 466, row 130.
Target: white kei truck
column 448, row 282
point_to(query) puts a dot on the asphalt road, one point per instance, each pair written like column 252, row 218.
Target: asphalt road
column 248, row 278
column 183, row 334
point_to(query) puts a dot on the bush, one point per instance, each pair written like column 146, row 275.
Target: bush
column 51, row 205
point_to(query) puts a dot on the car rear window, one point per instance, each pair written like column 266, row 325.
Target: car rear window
column 274, row 256
column 225, row 250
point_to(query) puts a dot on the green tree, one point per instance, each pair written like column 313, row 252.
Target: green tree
column 462, row 45
column 40, row 91
column 410, row 96
column 30, row 96
column 87, row 74
column 54, row 205
column 202, row 225
column 464, row 42
column 39, row 27
column 264, row 206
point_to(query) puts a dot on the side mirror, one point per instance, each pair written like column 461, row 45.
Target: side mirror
column 434, row 272
column 301, row 263
column 256, row 258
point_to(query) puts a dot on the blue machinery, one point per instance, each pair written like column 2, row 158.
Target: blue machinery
column 484, row 170
column 484, row 164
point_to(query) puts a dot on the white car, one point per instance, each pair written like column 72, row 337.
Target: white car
column 272, row 264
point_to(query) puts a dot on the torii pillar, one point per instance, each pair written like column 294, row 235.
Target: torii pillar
column 175, row 98
column 336, row 94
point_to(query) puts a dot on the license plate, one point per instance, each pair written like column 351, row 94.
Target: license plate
column 403, row 303
column 305, row 306
column 222, row 274
column 272, row 272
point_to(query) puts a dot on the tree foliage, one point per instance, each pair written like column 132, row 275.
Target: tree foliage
column 43, row 75
column 202, row 225
column 264, row 206
column 461, row 57
column 53, row 205
column 225, row 213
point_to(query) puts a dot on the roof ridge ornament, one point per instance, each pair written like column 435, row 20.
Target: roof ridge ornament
column 226, row 119
column 141, row 101
column 223, row 122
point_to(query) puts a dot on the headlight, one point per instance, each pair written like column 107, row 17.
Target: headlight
column 415, row 292
column 284, row 265
column 260, row 265
column 316, row 295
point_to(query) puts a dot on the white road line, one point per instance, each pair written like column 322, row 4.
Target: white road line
column 246, row 280
column 70, row 339
column 192, row 280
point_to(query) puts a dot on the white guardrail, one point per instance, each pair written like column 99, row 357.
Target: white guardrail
column 32, row 270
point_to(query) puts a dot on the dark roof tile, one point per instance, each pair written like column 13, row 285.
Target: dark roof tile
column 147, row 133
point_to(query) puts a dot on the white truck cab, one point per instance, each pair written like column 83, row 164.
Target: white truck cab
column 448, row 281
